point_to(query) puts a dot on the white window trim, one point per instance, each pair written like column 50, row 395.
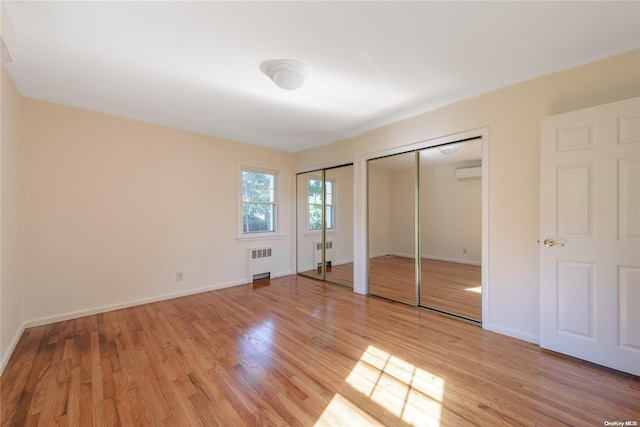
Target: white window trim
column 276, row 234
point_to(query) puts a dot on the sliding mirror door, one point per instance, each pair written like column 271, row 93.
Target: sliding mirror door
column 309, row 243
column 339, row 225
column 324, row 205
column 451, row 228
column 392, row 202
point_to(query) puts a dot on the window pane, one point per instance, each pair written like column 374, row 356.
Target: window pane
column 263, row 190
column 315, row 198
column 246, row 186
column 258, row 187
column 315, row 217
column 329, row 192
column 257, row 217
column 315, row 191
column 329, row 213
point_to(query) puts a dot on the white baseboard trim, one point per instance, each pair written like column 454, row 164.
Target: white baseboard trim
column 117, row 306
column 457, row 261
column 12, row 346
column 282, row 274
column 307, row 268
column 534, row 339
column 401, row 255
column 436, row 258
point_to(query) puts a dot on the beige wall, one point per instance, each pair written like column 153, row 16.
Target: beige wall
column 114, row 208
column 513, row 116
column 403, row 198
column 450, row 215
column 11, row 286
column 380, row 241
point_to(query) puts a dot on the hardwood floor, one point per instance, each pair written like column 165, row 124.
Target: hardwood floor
column 446, row 286
column 297, row 352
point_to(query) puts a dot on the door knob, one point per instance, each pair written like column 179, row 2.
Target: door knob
column 550, row 242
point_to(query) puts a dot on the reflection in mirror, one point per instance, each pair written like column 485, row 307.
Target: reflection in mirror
column 339, row 225
column 451, row 228
column 309, row 243
column 331, row 190
column 391, row 211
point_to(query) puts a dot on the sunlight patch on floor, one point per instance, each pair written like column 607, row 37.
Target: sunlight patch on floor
column 408, row 392
column 477, row 289
column 341, row 412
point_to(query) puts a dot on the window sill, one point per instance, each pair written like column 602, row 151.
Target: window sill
column 319, row 233
column 246, row 238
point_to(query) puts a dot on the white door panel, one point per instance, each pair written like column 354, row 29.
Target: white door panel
column 590, row 206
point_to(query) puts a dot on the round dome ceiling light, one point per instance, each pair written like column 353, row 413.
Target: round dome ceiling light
column 287, row 74
column 449, row 149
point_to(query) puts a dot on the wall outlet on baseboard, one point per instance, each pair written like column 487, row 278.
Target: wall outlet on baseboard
column 179, row 276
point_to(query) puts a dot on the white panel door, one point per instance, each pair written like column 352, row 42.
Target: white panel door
column 590, row 234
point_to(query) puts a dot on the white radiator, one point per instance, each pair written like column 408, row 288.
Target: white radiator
column 260, row 261
column 317, row 253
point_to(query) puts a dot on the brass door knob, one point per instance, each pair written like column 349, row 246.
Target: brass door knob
column 550, row 242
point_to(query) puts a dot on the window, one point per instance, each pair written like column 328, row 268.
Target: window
column 315, row 196
column 259, row 204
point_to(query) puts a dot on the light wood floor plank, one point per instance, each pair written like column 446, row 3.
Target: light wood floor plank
column 297, row 352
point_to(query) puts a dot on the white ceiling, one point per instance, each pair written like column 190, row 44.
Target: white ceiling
column 196, row 65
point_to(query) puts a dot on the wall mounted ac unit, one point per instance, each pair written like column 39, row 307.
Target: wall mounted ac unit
column 469, row 173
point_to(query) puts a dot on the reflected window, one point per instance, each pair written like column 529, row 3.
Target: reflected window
column 315, row 196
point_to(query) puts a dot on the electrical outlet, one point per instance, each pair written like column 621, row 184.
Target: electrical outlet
column 179, row 276
column 464, row 250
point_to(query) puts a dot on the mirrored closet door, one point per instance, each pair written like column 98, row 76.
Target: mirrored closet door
column 324, row 205
column 451, row 228
column 391, row 213
column 425, row 228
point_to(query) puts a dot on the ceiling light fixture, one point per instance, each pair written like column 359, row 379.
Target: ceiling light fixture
column 287, row 74
column 449, row 149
